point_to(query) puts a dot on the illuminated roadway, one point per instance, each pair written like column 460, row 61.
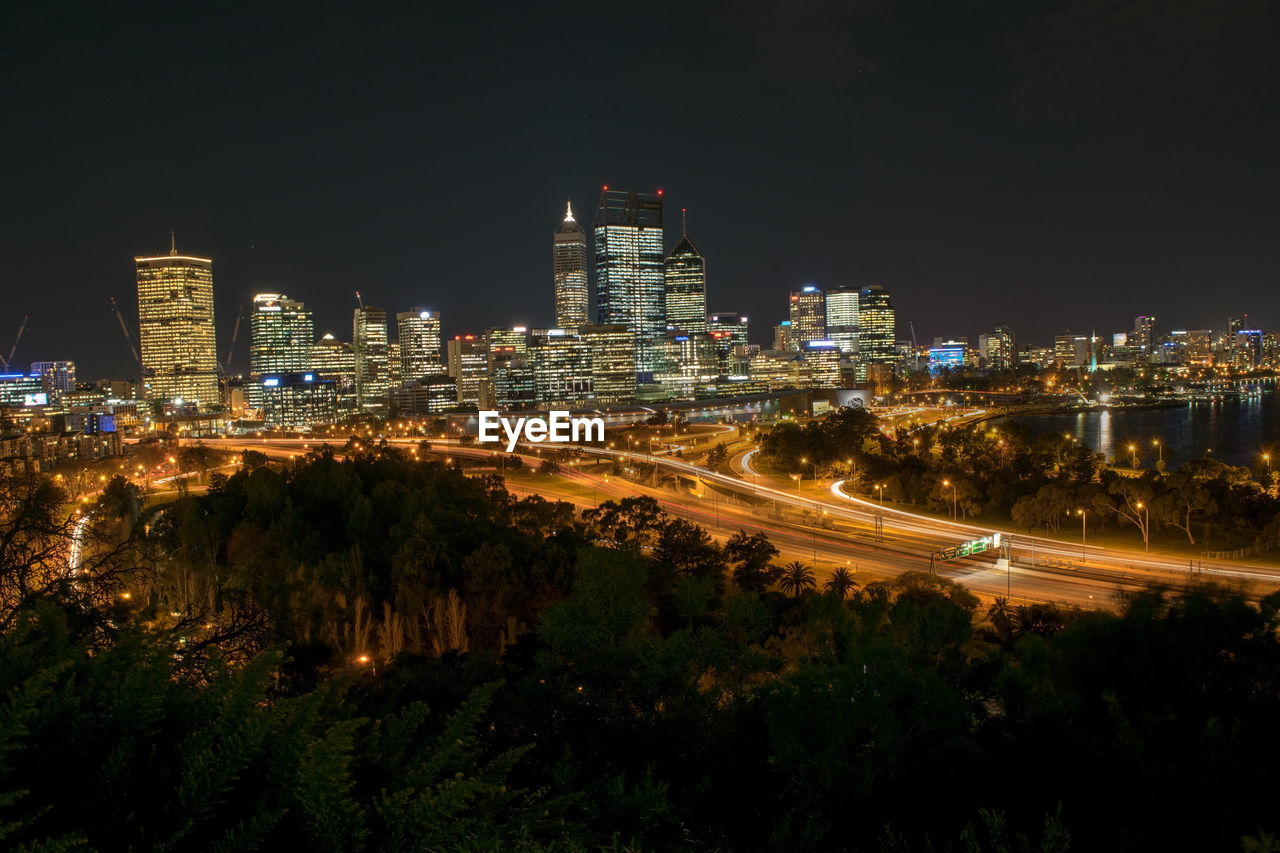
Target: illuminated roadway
column 845, row 534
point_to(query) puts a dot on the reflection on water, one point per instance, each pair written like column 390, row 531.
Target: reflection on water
column 1235, row 431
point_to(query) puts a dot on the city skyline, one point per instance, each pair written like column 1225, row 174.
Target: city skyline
column 961, row 157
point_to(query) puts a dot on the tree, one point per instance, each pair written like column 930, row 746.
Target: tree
column 1131, row 500
column 1186, row 497
column 797, row 578
column 752, row 560
column 841, row 583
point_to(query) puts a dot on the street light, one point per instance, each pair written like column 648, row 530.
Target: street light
column 880, row 489
column 1159, row 451
column 1146, row 526
column 1134, row 450
column 953, row 497
column 1084, row 515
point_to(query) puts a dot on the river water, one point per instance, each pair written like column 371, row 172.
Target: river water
column 1236, row 432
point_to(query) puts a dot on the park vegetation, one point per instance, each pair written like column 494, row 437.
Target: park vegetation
column 379, row 654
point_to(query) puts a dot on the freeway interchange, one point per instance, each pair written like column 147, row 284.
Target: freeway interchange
column 828, row 527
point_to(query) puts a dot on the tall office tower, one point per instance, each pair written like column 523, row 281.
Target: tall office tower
column 419, row 335
column 842, row 319
column 469, row 366
column 334, row 360
column 569, row 264
column 876, row 325
column 686, row 276
column 733, row 325
column 821, row 360
column 280, row 335
column 1144, row 334
column 175, row 329
column 373, row 366
column 611, row 354
column 729, row 332
column 808, row 316
column 999, row 349
column 630, row 278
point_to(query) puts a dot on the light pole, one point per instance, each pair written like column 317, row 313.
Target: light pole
column 1146, row 522
column 1159, row 452
column 796, row 477
column 1084, row 515
column 1134, row 450
column 953, row 497
column 880, row 491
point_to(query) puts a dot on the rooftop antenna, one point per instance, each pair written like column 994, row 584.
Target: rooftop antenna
column 173, row 245
column 684, row 221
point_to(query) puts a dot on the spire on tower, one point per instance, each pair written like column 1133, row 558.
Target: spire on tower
column 173, row 246
column 568, row 212
column 684, row 221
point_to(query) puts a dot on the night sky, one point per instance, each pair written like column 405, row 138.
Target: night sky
column 1052, row 166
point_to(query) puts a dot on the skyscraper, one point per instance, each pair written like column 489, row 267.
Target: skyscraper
column 280, row 335
column 686, row 285
column 842, row 319
column 1144, row 334
column 175, row 329
column 332, row 359
column 419, row 336
column 808, row 316
column 569, row 263
column 876, row 330
column 999, row 348
column 373, row 373
column 611, row 358
column 469, row 366
column 630, row 278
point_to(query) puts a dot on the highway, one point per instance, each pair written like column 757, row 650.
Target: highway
column 830, row 528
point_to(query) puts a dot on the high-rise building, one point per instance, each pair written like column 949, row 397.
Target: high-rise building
column 686, row 277
column 175, row 329
column 569, row 265
column 334, row 360
column 808, row 316
column 1144, row 334
column 611, row 356
column 59, row 377
column 876, row 330
column 280, row 335
column 469, row 367
column 998, row 349
column 562, row 367
column 842, row 319
column 373, row 360
column 729, row 332
column 821, row 364
column 784, row 337
column 630, row 277
column 419, row 335
column 509, row 380
column 1072, row 350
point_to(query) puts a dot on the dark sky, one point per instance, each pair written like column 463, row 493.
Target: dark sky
column 1052, row 166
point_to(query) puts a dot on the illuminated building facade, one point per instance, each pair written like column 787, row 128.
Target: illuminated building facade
column 334, row 360
column 842, row 318
column 562, row 367
column 630, row 276
column 611, row 356
column 689, row 363
column 469, row 367
column 373, row 360
column 729, row 332
column 58, row 377
column 877, row 325
column 946, row 355
column 433, row 395
column 280, row 335
column 784, row 339
column 821, row 362
column 297, row 401
column 509, row 383
column 1071, row 350
column 569, row 267
column 808, row 316
column 998, row 349
column 686, row 296
column 1144, row 335
column 175, row 329
column 418, row 331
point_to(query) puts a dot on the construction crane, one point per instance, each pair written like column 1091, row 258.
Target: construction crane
column 128, row 337
column 358, row 299
column 915, row 347
column 235, row 333
column 14, row 348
